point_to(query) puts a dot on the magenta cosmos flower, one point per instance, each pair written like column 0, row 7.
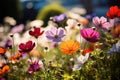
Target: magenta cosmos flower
column 27, row 47
column 36, row 33
column 89, row 34
column 55, row 34
column 101, row 22
column 34, row 67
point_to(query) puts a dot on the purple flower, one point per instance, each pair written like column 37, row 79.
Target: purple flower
column 59, row 18
column 90, row 16
column 89, row 34
column 8, row 43
column 101, row 22
column 55, row 34
column 34, row 67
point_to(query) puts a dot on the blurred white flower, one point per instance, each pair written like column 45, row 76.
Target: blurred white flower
column 79, row 18
column 80, row 11
column 36, row 23
column 10, row 20
column 1, row 29
column 72, row 24
column 80, row 61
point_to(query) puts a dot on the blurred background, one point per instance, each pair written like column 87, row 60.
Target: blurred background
column 28, row 10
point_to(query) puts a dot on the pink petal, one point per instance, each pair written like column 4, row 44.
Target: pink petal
column 96, row 21
column 106, row 25
column 103, row 19
column 89, row 31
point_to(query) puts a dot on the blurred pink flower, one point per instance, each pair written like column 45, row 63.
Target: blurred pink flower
column 18, row 28
column 89, row 34
column 101, row 22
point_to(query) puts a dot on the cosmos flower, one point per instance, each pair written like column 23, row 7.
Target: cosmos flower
column 18, row 28
column 2, row 51
column 8, row 43
column 34, row 65
column 36, row 23
column 10, row 20
column 114, row 12
column 72, row 24
column 5, row 69
column 89, row 34
column 27, row 47
column 101, row 22
column 115, row 48
column 55, row 34
column 59, row 18
column 36, row 33
column 15, row 58
column 80, row 61
column 69, row 47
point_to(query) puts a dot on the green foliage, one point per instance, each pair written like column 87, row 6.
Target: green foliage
column 49, row 11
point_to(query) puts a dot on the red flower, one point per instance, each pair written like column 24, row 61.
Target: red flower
column 36, row 33
column 25, row 48
column 114, row 12
column 88, row 50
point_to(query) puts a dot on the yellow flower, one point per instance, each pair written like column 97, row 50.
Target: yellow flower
column 69, row 47
column 67, row 76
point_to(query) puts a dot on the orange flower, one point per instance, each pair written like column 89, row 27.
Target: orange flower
column 2, row 51
column 15, row 57
column 69, row 47
column 6, row 69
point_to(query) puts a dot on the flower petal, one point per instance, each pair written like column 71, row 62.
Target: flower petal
column 103, row 19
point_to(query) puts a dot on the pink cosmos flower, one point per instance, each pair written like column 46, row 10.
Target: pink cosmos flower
column 101, row 22
column 89, row 34
column 27, row 47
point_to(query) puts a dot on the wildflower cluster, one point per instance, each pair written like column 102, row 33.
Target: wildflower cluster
column 83, row 49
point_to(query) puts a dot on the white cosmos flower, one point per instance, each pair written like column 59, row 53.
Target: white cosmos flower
column 80, row 61
column 115, row 48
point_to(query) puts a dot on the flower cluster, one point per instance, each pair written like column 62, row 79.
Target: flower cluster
column 80, row 49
